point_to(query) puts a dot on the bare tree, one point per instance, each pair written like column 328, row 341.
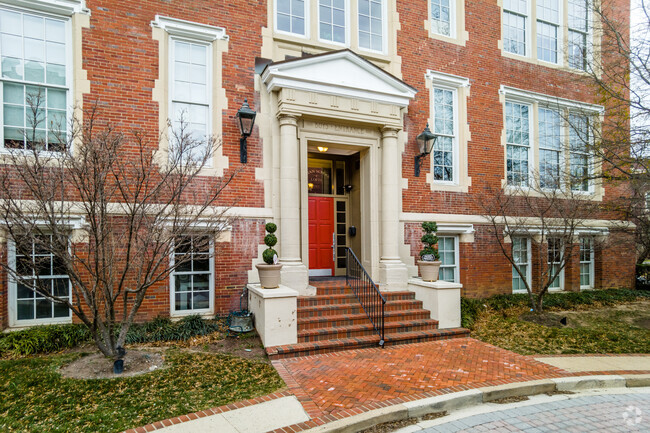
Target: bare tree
column 540, row 222
column 96, row 217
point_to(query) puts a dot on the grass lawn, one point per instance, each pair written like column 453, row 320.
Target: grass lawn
column 622, row 327
column 35, row 398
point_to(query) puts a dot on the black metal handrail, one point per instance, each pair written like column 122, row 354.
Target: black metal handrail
column 366, row 291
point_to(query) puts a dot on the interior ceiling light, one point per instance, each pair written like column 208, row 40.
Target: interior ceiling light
column 322, row 149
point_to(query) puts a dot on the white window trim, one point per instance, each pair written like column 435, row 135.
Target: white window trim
column 57, row 10
column 456, row 255
column 172, row 289
column 532, row 144
column 384, row 29
column 13, row 297
column 526, row 96
column 307, row 4
column 592, row 268
column 347, row 26
column 452, row 21
column 189, row 30
column 528, row 265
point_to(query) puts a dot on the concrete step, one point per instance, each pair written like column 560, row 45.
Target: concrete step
column 328, row 346
column 365, row 329
column 350, row 309
column 359, row 318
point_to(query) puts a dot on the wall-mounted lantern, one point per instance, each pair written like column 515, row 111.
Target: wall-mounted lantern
column 245, row 120
column 425, row 141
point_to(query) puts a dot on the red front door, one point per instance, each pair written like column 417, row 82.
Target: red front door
column 321, row 232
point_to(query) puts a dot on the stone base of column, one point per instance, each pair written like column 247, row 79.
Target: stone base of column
column 441, row 298
column 295, row 275
column 275, row 313
column 393, row 275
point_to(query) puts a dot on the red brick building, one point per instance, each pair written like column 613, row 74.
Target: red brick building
column 341, row 88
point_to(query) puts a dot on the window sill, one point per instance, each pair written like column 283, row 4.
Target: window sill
column 178, row 315
column 16, row 325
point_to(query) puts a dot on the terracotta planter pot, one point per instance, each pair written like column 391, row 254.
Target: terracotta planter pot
column 269, row 275
column 429, row 270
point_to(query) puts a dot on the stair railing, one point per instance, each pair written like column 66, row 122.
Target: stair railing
column 366, row 291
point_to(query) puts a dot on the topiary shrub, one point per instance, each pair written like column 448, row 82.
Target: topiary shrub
column 270, row 255
column 429, row 239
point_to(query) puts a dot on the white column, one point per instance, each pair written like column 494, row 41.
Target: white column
column 294, row 273
column 393, row 274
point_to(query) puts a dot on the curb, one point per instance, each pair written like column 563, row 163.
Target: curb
column 463, row 399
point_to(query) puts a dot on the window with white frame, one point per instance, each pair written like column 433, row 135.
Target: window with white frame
column 192, row 280
column 448, row 248
column 444, row 128
column 578, row 34
column 371, row 24
column 521, row 257
column 586, row 263
column 39, row 272
column 515, row 17
column 548, row 25
column 331, row 20
column 442, row 17
column 518, row 143
column 291, row 16
column 550, row 148
column 579, row 138
column 554, row 261
column 35, row 80
column 191, row 95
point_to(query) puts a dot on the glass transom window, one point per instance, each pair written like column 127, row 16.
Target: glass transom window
column 35, row 82
column 332, row 20
column 371, row 25
column 39, row 273
column 192, row 278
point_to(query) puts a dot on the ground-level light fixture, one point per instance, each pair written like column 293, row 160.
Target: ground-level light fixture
column 322, row 149
column 425, row 141
column 245, row 120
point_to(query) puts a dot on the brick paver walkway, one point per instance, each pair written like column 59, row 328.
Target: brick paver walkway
column 601, row 413
column 345, row 380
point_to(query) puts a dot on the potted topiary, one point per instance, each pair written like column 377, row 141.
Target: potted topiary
column 269, row 271
column 429, row 262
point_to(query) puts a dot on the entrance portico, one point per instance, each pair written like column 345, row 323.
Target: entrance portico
column 342, row 101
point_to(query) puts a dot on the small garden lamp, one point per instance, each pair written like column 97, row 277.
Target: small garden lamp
column 245, row 120
column 425, row 141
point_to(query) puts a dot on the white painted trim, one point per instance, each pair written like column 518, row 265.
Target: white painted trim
column 57, row 7
column 528, row 97
column 447, row 228
column 188, row 29
column 449, row 80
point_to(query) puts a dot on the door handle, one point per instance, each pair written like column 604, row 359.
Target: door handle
column 333, row 246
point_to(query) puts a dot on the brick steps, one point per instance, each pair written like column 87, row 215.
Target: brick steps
column 333, row 320
column 359, row 318
column 350, row 309
column 329, row 346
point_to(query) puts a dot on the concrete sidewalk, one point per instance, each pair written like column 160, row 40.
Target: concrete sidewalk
column 354, row 390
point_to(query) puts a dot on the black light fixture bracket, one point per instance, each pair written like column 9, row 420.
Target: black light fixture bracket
column 425, row 141
column 245, row 120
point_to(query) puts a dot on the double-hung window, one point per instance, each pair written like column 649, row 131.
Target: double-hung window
column 579, row 137
column 331, row 20
column 442, row 17
column 35, row 52
column 550, row 148
column 518, row 143
column 38, row 272
column 444, row 128
column 192, row 280
column 291, row 16
column 548, row 25
column 448, row 249
column 578, row 33
column 521, row 257
column 554, row 262
column 586, row 263
column 371, row 24
column 191, row 95
column 515, row 17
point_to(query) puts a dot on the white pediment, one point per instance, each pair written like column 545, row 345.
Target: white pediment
column 340, row 73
